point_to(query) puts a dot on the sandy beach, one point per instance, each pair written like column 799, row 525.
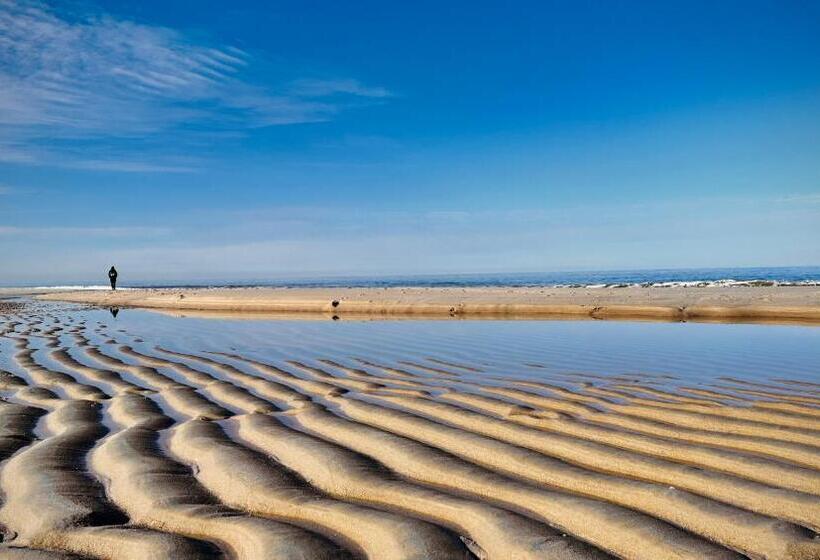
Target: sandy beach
column 409, row 281
column 788, row 303
column 117, row 448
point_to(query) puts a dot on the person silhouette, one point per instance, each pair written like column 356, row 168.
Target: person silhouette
column 112, row 276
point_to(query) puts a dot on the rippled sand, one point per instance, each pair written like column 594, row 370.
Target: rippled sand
column 117, row 449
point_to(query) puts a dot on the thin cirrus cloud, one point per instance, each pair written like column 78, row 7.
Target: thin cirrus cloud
column 321, row 88
column 129, row 166
column 94, row 78
column 68, row 231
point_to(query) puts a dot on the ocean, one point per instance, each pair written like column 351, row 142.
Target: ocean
column 695, row 277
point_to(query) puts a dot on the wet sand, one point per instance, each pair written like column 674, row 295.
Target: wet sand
column 780, row 303
column 114, row 448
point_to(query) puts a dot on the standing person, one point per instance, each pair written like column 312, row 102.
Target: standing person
column 112, row 276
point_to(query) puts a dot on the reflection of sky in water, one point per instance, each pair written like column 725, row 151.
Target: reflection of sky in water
column 7, row 350
column 691, row 351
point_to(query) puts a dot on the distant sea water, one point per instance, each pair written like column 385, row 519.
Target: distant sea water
column 691, row 277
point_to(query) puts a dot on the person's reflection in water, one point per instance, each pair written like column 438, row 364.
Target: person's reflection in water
column 114, row 311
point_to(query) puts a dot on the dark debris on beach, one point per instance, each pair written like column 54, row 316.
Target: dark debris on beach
column 11, row 306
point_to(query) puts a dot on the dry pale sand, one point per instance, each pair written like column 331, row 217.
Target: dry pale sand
column 114, row 452
column 783, row 303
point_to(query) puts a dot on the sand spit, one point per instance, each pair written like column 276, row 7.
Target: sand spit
column 111, row 448
column 722, row 303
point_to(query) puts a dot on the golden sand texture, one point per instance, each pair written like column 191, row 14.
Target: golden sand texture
column 112, row 450
column 722, row 303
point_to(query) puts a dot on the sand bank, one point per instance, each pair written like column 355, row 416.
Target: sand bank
column 792, row 303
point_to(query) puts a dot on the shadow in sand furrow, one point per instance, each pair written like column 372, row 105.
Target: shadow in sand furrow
column 51, row 503
column 390, row 381
column 467, row 368
column 558, row 405
column 110, row 380
column 238, row 398
column 429, row 369
column 263, row 387
column 720, row 424
column 338, row 381
column 189, row 402
column 131, row 409
column 145, row 375
column 9, row 553
column 799, row 507
column 679, row 415
column 282, row 377
column 495, row 532
column 806, row 423
column 157, row 492
column 381, row 384
column 238, row 395
column 753, row 467
column 62, row 383
column 10, row 381
column 588, row 394
column 631, row 389
column 567, row 406
column 248, row 480
column 709, row 394
column 130, row 543
column 224, row 369
column 184, row 373
column 17, row 423
column 290, row 388
column 804, row 398
column 789, row 386
column 801, row 454
column 506, row 408
column 387, row 383
column 182, row 397
column 733, row 527
column 390, row 370
column 729, row 394
column 800, row 409
column 314, row 381
column 623, row 532
column 802, row 387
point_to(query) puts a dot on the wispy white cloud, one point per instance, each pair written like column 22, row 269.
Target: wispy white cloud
column 800, row 199
column 70, row 231
column 9, row 190
column 100, row 73
column 97, row 77
column 12, row 152
column 325, row 88
column 130, row 166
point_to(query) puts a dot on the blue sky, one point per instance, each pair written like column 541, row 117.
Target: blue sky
column 190, row 141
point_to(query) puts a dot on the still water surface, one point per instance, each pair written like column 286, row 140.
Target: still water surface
column 690, row 352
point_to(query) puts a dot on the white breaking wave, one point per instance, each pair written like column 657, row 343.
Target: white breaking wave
column 695, row 284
